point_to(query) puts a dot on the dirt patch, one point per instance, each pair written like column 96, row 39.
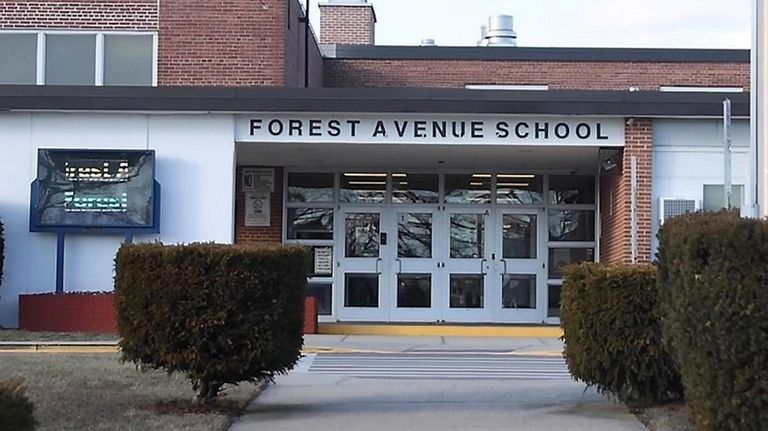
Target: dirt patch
column 670, row 417
column 97, row 392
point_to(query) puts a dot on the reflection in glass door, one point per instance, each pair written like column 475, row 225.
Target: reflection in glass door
column 521, row 279
column 361, row 265
column 414, row 271
column 467, row 266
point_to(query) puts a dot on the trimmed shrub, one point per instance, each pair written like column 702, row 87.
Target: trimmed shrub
column 16, row 411
column 612, row 333
column 221, row 314
column 713, row 281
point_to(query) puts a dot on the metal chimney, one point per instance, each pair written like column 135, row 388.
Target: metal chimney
column 428, row 42
column 499, row 32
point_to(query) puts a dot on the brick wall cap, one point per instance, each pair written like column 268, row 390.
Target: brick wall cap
column 654, row 55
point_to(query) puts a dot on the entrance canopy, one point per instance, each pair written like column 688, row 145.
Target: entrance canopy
column 433, row 157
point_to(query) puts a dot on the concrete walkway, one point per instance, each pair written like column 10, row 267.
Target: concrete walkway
column 304, row 400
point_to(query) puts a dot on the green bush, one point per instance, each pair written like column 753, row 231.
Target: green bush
column 713, row 281
column 220, row 314
column 612, row 333
column 16, row 411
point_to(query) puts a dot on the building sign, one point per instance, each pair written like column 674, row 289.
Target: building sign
column 259, row 180
column 430, row 129
column 323, row 261
column 257, row 209
column 94, row 189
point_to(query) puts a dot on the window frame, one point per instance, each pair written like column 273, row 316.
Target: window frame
column 99, row 55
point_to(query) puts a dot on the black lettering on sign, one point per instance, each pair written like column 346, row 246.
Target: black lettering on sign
column 502, row 129
column 438, row 129
column 276, row 127
column 542, row 129
column 562, row 130
column 600, row 135
column 380, row 129
column 314, row 128
column 255, row 125
column 477, row 130
column 353, row 127
column 294, row 126
column 334, row 128
column 522, row 130
column 401, row 128
column 459, row 129
column 583, row 131
column 419, row 129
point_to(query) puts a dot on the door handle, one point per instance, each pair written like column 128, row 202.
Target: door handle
column 400, row 265
column 482, row 266
column 378, row 272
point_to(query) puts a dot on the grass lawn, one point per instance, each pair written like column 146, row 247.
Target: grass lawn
column 96, row 392
column 16, row 335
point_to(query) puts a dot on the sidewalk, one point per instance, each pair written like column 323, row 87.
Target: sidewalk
column 307, row 400
column 490, row 345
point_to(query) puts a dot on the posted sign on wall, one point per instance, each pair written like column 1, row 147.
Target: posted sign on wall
column 430, row 129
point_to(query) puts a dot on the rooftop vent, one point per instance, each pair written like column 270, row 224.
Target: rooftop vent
column 499, row 32
column 428, row 42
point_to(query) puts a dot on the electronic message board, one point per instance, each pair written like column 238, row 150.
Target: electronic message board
column 108, row 189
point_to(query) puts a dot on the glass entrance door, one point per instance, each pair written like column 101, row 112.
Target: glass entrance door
column 413, row 296
column 520, row 273
column 361, row 268
column 465, row 265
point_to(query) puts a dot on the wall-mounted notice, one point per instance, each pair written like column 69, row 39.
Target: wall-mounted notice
column 257, row 209
column 259, row 180
column 323, row 260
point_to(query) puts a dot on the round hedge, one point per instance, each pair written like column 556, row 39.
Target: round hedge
column 220, row 314
column 714, row 302
column 612, row 333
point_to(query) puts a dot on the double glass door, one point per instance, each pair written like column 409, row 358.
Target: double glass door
column 463, row 264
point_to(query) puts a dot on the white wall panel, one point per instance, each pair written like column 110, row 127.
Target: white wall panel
column 195, row 166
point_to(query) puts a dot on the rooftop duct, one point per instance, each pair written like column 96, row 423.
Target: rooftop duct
column 428, row 42
column 499, row 32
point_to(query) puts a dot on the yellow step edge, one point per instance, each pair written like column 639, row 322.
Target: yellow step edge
column 441, row 330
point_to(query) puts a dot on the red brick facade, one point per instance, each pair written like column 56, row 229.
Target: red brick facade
column 80, row 14
column 352, row 24
column 558, row 75
column 259, row 235
column 616, row 193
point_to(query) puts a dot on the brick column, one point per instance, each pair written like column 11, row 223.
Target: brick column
column 616, row 198
column 273, row 234
column 350, row 22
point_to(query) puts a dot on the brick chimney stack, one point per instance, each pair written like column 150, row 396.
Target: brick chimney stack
column 350, row 22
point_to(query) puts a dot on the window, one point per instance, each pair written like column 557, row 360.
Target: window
column 70, row 59
column 18, row 58
column 77, row 58
column 128, row 59
column 714, row 196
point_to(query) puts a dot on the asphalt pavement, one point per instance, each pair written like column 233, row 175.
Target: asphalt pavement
column 432, row 383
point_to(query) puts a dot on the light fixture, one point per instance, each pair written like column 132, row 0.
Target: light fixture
column 514, row 184
column 481, row 175
column 368, row 183
column 346, row 174
column 516, row 176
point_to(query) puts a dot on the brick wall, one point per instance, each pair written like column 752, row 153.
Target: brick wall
column 80, row 14
column 260, row 235
column 294, row 51
column 347, row 24
column 558, row 75
column 615, row 198
column 224, row 43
